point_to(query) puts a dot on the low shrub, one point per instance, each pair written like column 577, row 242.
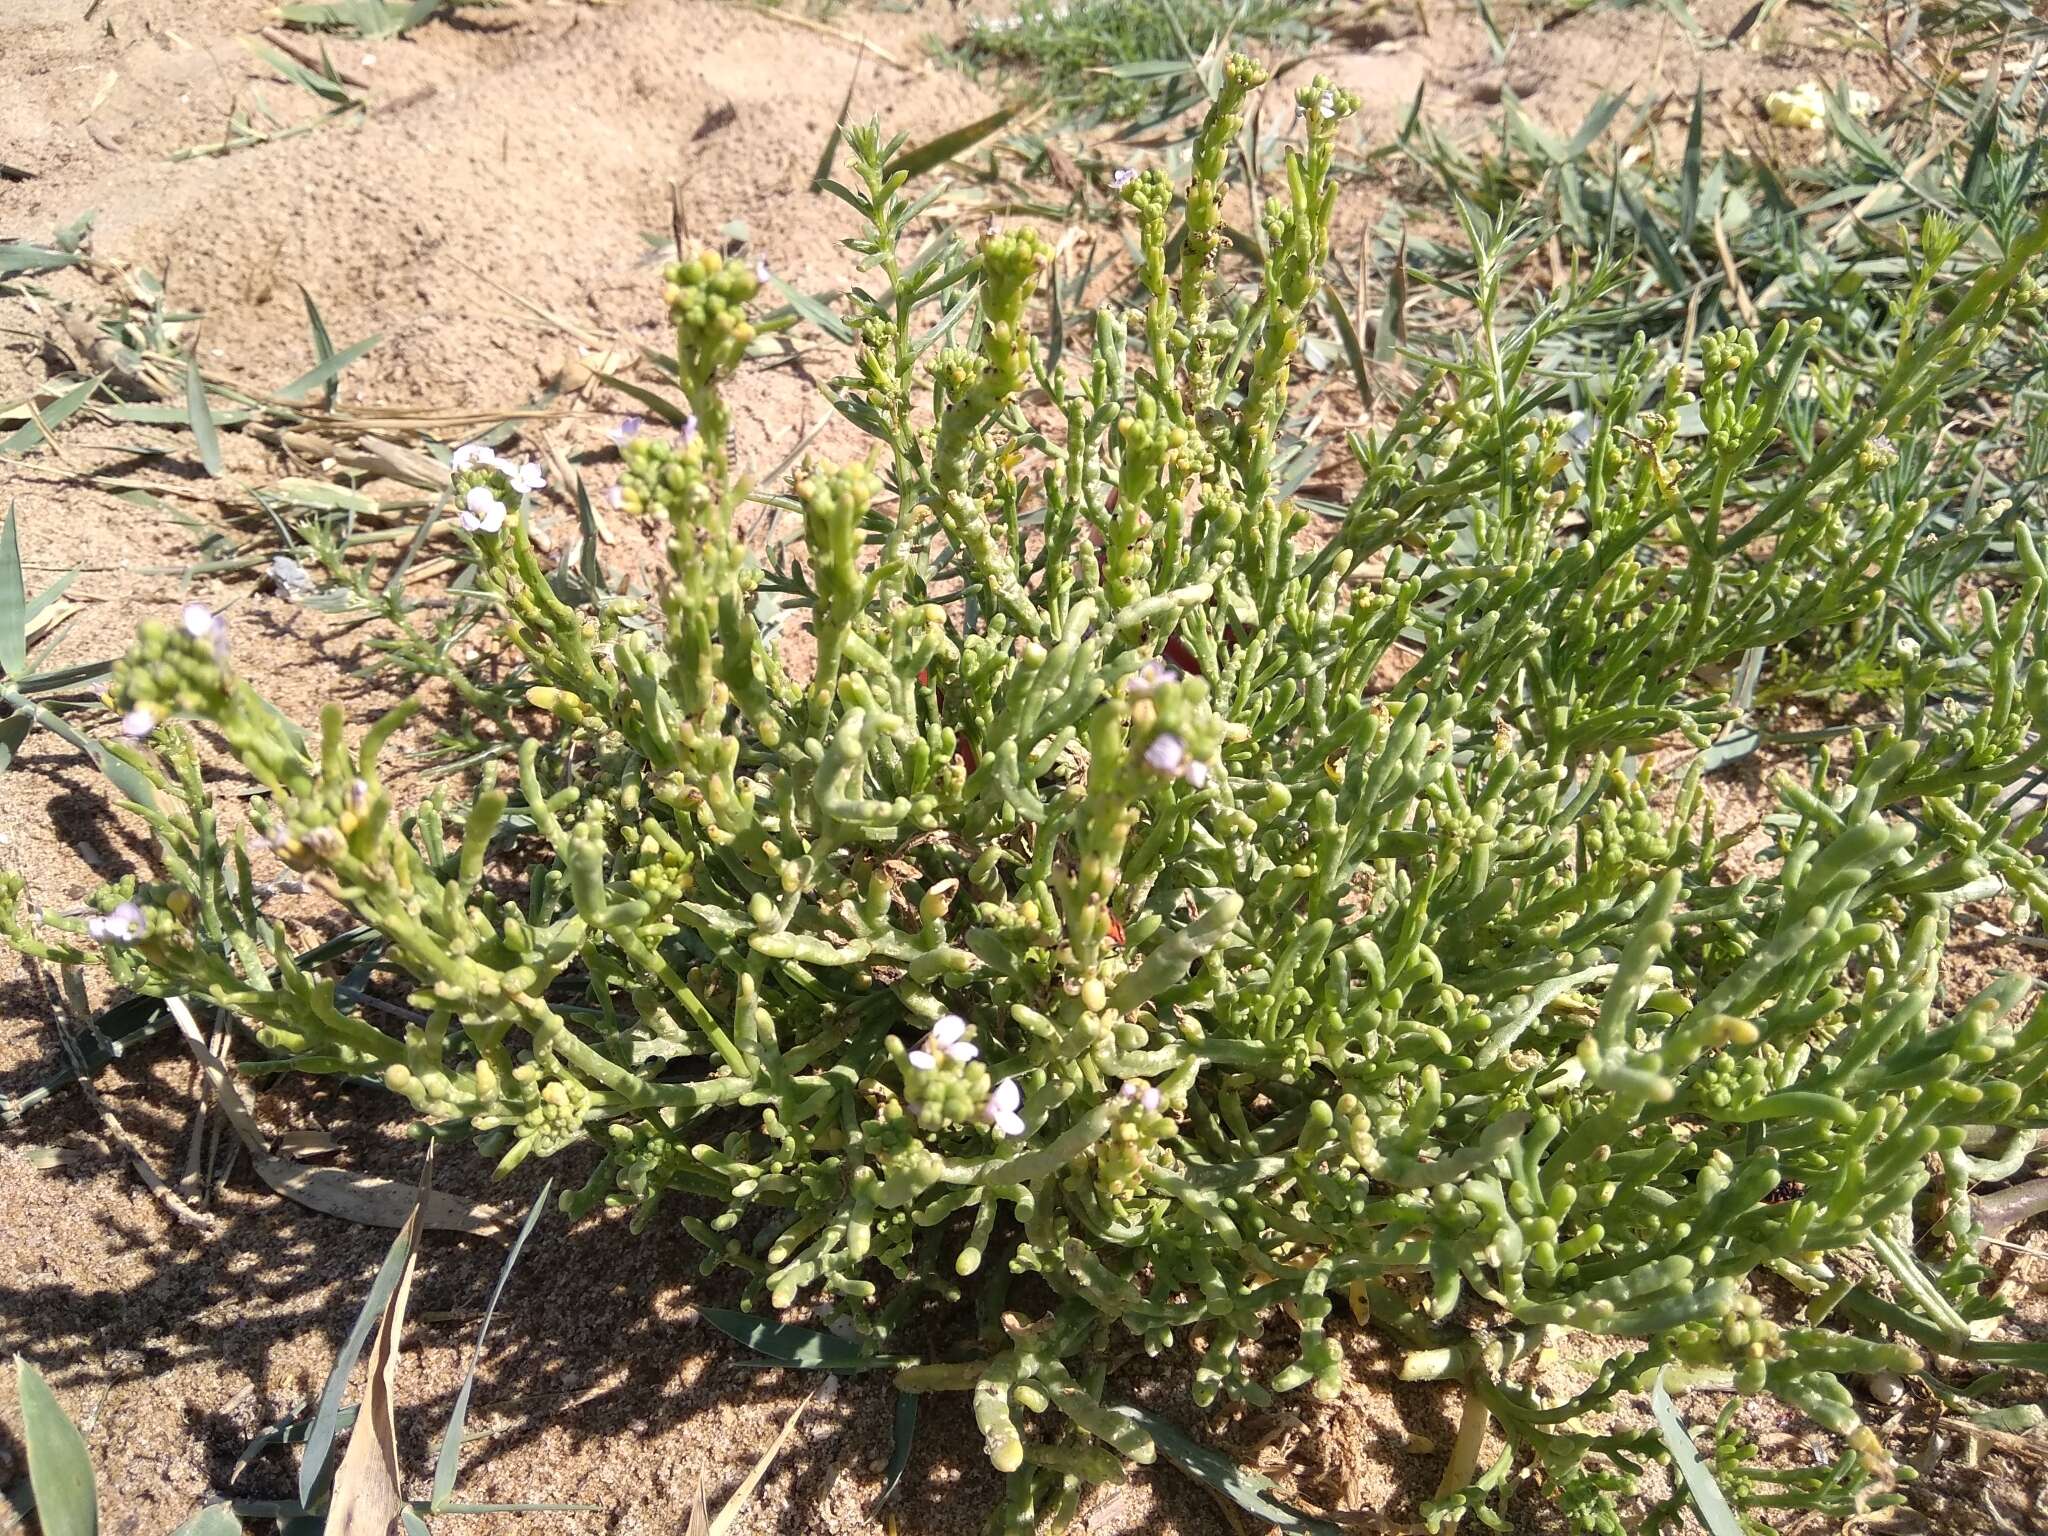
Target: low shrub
column 1185, row 919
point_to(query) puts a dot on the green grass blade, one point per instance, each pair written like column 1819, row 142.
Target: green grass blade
column 915, row 162
column 14, row 731
column 204, row 433
column 17, row 258
column 450, row 1453
column 903, row 1435
column 13, row 601
column 1393, row 328
column 323, row 344
column 317, row 1466
column 1247, row 1489
column 59, row 1470
column 1708, row 1502
column 214, row 1520
column 417, row 14
column 815, row 310
column 1354, row 353
column 802, row 1349
column 667, row 410
column 67, row 406
column 327, row 371
column 1689, row 174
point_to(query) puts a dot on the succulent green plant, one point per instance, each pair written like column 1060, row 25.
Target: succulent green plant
column 1105, row 908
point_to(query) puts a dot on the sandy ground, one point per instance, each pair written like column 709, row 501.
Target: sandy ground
column 499, row 197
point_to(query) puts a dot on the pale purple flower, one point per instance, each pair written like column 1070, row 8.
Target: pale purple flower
column 138, row 722
column 473, row 456
column 526, row 478
column 1167, row 754
column 482, row 512
column 924, row 1061
column 1123, row 176
column 627, row 429
column 1001, row 1109
column 616, row 498
column 202, row 623
column 1326, row 104
column 761, row 273
column 1130, row 1090
column 1149, row 1098
column 1150, row 678
column 686, row 434
column 124, row 925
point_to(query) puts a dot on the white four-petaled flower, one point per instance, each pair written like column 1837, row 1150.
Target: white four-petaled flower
column 1326, row 104
column 1123, row 176
column 949, row 1034
column 526, row 478
column 124, row 925
column 482, row 511
column 1000, row 1110
column 473, row 456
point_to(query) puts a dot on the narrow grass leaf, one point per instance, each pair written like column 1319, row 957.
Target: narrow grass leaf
column 290, row 1430
column 668, row 411
column 1689, row 173
column 803, row 1349
column 1393, row 328
column 823, row 173
column 323, row 344
column 815, row 310
column 915, row 162
column 59, row 1470
column 1732, row 746
column 1348, row 335
column 316, row 1469
column 727, row 1519
column 204, row 433
column 450, row 1453
column 368, row 1494
column 14, row 731
column 1595, row 124
column 13, row 601
column 1707, row 1500
column 902, row 1436
column 327, row 372
column 15, row 259
column 214, row 1520
column 1247, row 1489
column 53, row 417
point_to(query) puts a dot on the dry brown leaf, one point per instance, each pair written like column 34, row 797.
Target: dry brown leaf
column 369, row 1486
column 370, row 1200
column 728, row 1517
column 360, row 1197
